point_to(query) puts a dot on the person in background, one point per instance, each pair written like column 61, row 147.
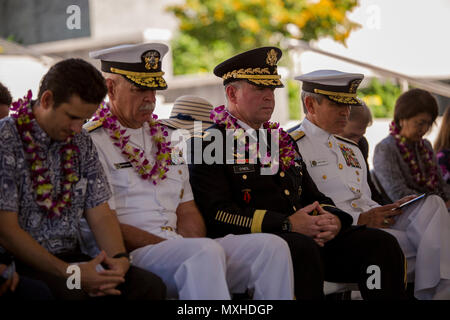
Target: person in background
column 5, row 101
column 188, row 109
column 15, row 287
column 405, row 162
column 442, row 146
column 359, row 119
column 190, row 116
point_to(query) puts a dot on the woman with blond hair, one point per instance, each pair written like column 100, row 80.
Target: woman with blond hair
column 442, row 146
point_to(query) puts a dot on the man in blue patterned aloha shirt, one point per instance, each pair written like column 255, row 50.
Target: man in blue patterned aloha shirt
column 50, row 177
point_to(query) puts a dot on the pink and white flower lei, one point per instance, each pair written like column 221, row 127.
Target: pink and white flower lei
column 147, row 171
column 429, row 178
column 221, row 116
column 23, row 114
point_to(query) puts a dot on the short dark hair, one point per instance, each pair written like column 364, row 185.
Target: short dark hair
column 414, row 102
column 5, row 95
column 361, row 114
column 74, row 76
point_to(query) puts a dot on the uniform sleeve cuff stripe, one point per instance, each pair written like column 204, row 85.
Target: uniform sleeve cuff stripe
column 258, row 218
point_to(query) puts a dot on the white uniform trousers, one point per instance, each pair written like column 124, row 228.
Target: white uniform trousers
column 203, row 268
column 423, row 232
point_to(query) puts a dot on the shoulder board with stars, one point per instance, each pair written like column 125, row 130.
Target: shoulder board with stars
column 297, row 135
column 346, row 140
column 92, row 125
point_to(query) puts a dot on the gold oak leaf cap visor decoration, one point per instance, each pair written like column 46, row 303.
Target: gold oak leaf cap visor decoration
column 140, row 64
column 337, row 86
column 257, row 66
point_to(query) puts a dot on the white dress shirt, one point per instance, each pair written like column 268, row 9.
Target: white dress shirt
column 139, row 202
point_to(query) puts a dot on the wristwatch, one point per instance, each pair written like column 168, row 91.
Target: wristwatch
column 122, row 255
column 286, row 226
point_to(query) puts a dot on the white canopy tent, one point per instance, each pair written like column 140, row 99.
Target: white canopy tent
column 404, row 39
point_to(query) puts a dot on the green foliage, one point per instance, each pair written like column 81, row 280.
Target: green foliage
column 193, row 57
column 295, row 104
column 380, row 97
column 211, row 30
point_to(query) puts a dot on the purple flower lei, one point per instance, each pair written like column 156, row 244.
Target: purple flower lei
column 146, row 170
column 428, row 179
column 221, row 116
column 23, row 115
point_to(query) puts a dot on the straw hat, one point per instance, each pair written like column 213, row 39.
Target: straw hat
column 186, row 110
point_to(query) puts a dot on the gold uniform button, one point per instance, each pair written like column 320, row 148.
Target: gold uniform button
column 330, row 144
column 358, row 180
column 354, row 205
column 244, row 177
column 357, row 173
column 282, row 174
column 340, row 166
column 295, row 208
column 324, row 177
column 353, row 189
column 180, row 172
column 286, row 192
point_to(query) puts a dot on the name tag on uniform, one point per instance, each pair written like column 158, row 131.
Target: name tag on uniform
column 318, row 163
column 244, row 168
column 122, row 165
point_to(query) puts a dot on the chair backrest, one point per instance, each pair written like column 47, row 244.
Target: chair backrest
column 380, row 188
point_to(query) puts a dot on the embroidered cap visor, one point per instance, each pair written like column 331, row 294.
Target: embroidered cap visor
column 140, row 64
column 188, row 109
column 337, row 86
column 257, row 66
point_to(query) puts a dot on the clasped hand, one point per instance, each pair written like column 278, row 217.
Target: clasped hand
column 322, row 227
column 9, row 284
column 103, row 282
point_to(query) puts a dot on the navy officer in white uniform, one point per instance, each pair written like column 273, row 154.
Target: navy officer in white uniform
column 152, row 197
column 338, row 168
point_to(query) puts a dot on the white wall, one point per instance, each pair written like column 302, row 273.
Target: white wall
column 405, row 36
column 380, row 129
column 21, row 73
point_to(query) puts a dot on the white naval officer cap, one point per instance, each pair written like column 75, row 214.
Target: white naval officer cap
column 335, row 85
column 138, row 63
